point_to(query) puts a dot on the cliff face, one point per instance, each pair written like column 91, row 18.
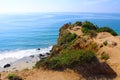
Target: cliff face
column 71, row 37
column 90, row 51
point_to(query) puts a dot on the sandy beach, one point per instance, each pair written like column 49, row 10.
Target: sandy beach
column 22, row 63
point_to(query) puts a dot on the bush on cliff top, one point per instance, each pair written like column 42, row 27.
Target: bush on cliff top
column 107, row 29
column 68, row 58
column 89, row 28
column 77, row 23
column 89, row 25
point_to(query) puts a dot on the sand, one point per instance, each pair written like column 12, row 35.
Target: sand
column 113, row 51
column 76, row 30
column 23, row 63
column 44, row 75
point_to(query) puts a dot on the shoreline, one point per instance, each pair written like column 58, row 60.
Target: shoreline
column 27, row 62
column 20, row 64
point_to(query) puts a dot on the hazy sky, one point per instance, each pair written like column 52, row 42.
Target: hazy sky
column 26, row 6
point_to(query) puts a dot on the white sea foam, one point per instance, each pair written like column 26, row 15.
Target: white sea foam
column 11, row 56
column 23, row 53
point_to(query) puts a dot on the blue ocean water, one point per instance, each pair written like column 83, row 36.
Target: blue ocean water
column 40, row 30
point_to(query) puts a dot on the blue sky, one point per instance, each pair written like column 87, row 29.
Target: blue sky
column 26, row 6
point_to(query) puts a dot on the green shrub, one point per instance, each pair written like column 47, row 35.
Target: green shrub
column 92, row 33
column 67, row 37
column 107, row 29
column 13, row 77
column 85, row 30
column 69, row 57
column 78, row 23
column 89, row 29
column 92, row 46
column 89, row 25
column 105, row 56
column 105, row 43
column 67, row 45
column 26, row 69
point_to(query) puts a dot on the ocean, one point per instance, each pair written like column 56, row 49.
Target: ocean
column 22, row 34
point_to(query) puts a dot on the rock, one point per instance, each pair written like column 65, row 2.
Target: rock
column 14, row 68
column 101, row 45
column 50, row 50
column 41, row 56
column 48, row 53
column 112, row 44
column 27, row 62
column 32, row 56
column 38, row 49
column 7, row 65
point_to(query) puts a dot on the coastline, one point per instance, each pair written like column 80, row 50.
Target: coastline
column 17, row 61
column 26, row 62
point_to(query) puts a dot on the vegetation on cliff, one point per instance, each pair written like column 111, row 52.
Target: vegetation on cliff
column 88, row 28
column 14, row 77
column 107, row 29
column 67, row 37
column 73, row 50
column 68, row 58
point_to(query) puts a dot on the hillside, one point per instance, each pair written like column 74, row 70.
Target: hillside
column 83, row 51
column 91, row 51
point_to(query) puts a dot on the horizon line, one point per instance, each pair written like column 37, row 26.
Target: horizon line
column 57, row 12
